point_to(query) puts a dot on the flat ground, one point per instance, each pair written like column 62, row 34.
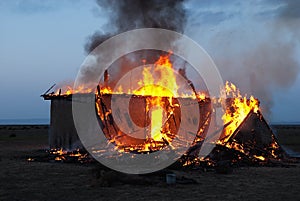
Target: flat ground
column 23, row 180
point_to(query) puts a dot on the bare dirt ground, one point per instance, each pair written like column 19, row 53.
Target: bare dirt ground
column 46, row 181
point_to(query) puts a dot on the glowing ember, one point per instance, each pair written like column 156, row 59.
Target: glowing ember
column 30, row 159
column 260, row 158
column 64, row 155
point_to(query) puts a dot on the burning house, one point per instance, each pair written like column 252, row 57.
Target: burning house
column 153, row 118
column 148, row 117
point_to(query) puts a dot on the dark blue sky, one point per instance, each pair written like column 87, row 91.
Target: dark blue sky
column 42, row 43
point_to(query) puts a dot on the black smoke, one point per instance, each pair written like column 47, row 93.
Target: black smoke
column 125, row 15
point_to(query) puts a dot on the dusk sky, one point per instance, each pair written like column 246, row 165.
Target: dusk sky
column 255, row 45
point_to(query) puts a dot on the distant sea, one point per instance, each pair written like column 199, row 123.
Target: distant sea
column 24, row 121
column 285, row 123
column 45, row 121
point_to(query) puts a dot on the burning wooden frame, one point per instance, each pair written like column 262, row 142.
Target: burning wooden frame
column 252, row 141
column 156, row 103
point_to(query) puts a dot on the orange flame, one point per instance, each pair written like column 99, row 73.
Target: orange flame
column 238, row 109
column 69, row 90
column 158, row 82
column 154, row 77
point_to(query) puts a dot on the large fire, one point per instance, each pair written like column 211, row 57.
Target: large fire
column 151, row 86
column 237, row 110
column 156, row 95
column 159, row 88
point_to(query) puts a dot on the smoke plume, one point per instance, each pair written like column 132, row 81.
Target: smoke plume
column 253, row 45
column 125, row 15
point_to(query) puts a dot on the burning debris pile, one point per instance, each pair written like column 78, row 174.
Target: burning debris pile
column 251, row 143
column 60, row 155
column 246, row 136
column 154, row 117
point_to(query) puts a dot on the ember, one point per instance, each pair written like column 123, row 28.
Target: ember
column 70, row 156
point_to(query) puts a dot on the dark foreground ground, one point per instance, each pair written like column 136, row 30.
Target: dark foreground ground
column 23, row 180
